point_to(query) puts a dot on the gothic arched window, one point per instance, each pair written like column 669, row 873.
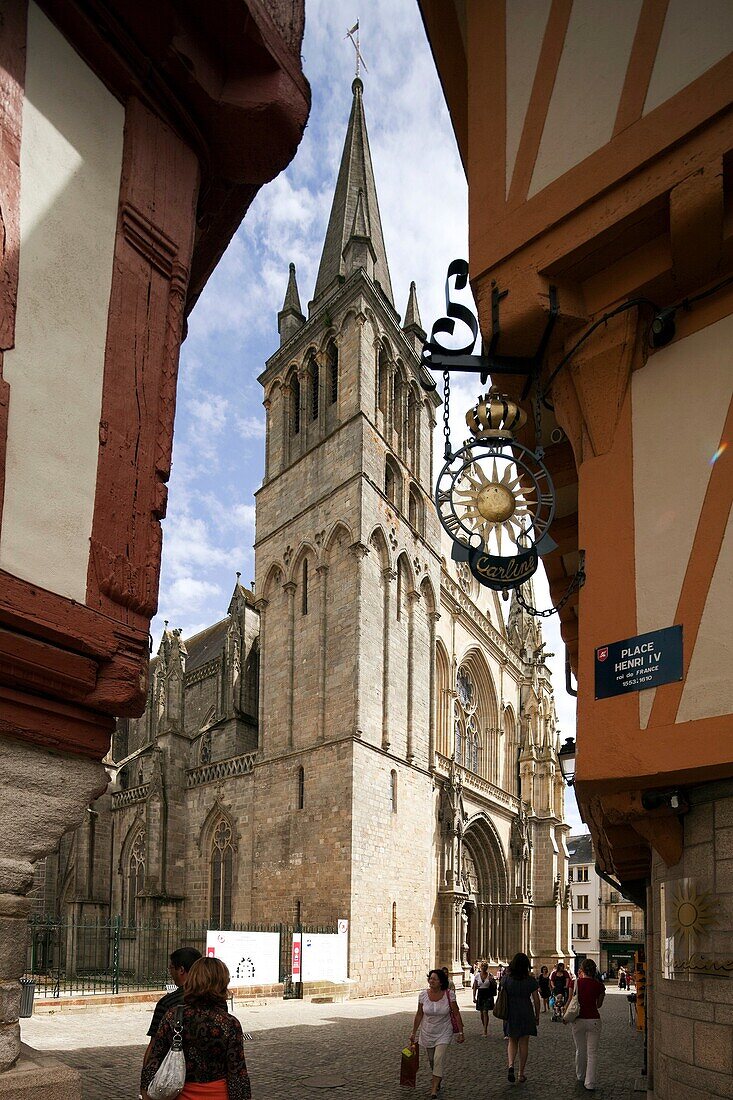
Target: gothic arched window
column 467, row 747
column 398, row 405
column 135, row 877
column 415, row 510
column 393, row 483
column 315, row 386
column 411, row 422
column 382, row 377
column 304, row 586
column 220, row 910
column 332, row 357
column 294, row 405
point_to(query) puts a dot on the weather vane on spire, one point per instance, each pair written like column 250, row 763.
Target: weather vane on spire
column 355, row 43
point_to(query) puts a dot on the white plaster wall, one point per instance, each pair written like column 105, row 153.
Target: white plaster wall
column 679, row 402
column 587, row 88
column 708, row 690
column 71, row 158
column 525, row 28
column 694, row 38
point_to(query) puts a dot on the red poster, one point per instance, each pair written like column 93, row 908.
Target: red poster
column 295, row 967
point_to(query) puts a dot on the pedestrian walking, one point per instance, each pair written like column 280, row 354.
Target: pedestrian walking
column 179, row 964
column 451, row 983
column 213, row 1045
column 524, row 1012
column 545, row 988
column 587, row 1026
column 622, row 977
column 435, row 1024
column 484, row 991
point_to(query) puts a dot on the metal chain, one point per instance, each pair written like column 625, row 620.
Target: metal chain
column 576, row 583
column 446, row 415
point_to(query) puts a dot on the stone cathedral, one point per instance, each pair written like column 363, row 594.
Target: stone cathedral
column 363, row 735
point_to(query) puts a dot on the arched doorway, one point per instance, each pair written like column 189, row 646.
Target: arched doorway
column 485, row 882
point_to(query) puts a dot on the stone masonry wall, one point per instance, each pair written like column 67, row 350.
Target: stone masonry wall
column 393, row 862
column 692, row 1037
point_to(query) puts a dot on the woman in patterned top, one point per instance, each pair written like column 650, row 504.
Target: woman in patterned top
column 212, row 1039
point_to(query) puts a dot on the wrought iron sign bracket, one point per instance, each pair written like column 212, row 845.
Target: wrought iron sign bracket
column 435, row 356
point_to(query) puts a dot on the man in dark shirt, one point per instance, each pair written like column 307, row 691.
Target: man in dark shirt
column 181, row 962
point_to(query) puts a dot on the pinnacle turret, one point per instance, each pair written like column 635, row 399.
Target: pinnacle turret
column 412, row 327
column 290, row 318
column 354, row 235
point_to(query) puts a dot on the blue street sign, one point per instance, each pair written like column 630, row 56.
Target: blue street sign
column 636, row 664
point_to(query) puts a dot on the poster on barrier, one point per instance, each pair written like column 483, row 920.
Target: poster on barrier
column 324, row 956
column 253, row 958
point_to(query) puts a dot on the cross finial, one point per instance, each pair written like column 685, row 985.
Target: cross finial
column 355, row 43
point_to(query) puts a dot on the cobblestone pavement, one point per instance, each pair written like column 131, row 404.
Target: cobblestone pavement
column 346, row 1050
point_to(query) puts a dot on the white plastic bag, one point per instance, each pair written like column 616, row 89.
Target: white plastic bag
column 170, row 1078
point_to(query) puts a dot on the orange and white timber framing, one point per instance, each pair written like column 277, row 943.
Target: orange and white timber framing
column 597, row 141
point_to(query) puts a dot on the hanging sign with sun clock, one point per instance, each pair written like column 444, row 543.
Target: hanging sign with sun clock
column 495, row 497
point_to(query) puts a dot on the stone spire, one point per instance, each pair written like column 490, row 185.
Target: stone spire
column 354, row 213
column 412, row 327
column 290, row 318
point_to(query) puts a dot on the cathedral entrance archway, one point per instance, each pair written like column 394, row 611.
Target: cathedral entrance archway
column 485, row 921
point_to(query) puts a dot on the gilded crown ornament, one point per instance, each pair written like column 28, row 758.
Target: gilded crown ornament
column 495, row 416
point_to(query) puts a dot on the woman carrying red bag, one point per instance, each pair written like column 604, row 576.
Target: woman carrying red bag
column 437, row 1021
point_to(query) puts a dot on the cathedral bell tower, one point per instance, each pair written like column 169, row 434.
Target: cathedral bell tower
column 347, row 567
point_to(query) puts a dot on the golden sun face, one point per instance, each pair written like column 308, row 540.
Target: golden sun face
column 495, row 505
column 692, row 912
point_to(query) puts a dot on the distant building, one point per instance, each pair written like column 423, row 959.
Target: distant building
column 606, row 926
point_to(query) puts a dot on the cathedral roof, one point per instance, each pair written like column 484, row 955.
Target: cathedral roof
column 206, row 645
column 355, row 206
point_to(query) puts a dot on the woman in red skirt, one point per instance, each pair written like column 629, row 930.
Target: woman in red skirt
column 212, row 1039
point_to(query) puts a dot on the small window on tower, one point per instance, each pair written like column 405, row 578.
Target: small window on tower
column 315, row 377
column 393, row 790
column 382, row 376
column 389, row 483
column 394, row 923
column 304, row 589
column 301, row 788
column 295, row 406
column 333, row 373
column 415, row 510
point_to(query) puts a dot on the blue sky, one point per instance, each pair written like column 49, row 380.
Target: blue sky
column 218, row 454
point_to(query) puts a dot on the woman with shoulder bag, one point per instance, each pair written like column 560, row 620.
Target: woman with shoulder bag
column 213, row 1044
column 523, row 1004
column 590, row 993
column 437, row 1019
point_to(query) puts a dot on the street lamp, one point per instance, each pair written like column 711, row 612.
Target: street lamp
column 566, row 756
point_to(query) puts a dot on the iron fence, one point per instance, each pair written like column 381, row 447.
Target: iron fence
column 82, row 956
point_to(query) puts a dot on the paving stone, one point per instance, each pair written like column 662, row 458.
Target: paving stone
column 350, row 1050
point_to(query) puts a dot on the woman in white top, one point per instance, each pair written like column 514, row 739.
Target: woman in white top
column 432, row 1027
column 484, row 991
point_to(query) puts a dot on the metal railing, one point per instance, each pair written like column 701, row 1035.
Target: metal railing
column 76, row 956
column 636, row 935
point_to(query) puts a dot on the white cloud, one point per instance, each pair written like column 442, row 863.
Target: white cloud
column 251, row 427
